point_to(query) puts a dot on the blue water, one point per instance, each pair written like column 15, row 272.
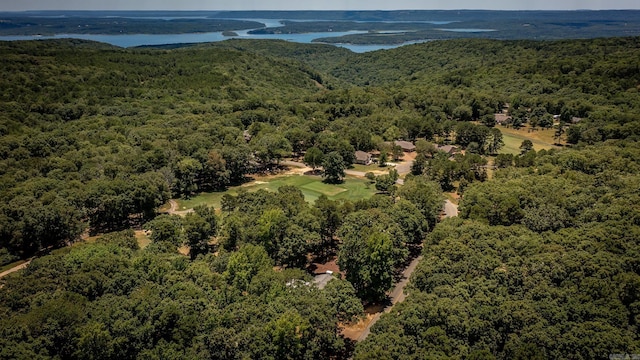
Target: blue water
column 468, row 30
column 132, row 40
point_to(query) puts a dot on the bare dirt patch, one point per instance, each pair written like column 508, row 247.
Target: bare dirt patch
column 354, row 331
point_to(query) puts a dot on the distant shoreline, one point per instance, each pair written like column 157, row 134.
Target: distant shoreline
column 361, row 28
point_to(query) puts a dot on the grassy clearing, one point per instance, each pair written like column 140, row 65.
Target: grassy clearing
column 311, row 186
column 142, row 238
column 541, row 139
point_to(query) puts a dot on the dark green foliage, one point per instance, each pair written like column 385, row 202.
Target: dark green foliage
column 543, row 265
column 373, row 245
column 165, row 228
column 313, row 158
column 334, row 166
column 562, row 283
column 386, row 183
column 110, row 302
column 425, row 195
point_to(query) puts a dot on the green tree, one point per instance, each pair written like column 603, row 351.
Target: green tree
column 313, row 157
column 373, row 246
column 197, row 234
column 410, row 220
column 334, row 168
column 165, row 228
column 271, row 147
column 369, row 264
column 396, row 152
column 495, row 142
column 237, row 160
column 186, row 172
column 232, row 232
column 244, row 264
column 294, row 247
column 526, row 146
column 343, row 301
column 289, row 334
column 425, row 195
column 382, row 160
column 386, row 183
column 215, row 173
column 504, row 160
column 328, row 212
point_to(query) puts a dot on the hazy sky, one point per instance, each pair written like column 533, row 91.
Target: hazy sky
column 17, row 5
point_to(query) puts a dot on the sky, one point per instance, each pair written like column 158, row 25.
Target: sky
column 20, row 5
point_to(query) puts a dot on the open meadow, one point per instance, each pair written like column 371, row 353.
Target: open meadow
column 312, row 187
column 541, row 139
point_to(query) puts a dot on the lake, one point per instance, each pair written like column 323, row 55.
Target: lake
column 133, row 40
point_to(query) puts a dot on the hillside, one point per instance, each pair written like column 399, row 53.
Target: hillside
column 95, row 139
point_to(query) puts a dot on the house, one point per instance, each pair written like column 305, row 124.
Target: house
column 449, row 149
column 363, row 158
column 321, row 280
column 405, row 145
column 502, row 118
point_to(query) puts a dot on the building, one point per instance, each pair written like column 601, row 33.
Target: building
column 502, row 119
column 449, row 149
column 405, row 145
column 363, row 158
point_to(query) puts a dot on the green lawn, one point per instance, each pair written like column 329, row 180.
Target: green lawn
column 311, row 186
column 513, row 138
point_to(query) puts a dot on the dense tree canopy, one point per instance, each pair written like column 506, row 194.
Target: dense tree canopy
column 543, row 264
column 108, row 301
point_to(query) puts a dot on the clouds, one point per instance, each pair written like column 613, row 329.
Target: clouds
column 13, row 5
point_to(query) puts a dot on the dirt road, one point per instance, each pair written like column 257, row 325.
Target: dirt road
column 397, row 295
column 14, row 269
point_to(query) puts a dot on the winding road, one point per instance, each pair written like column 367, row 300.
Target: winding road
column 397, row 295
column 173, row 210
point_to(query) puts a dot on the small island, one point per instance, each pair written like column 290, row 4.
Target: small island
column 229, row 33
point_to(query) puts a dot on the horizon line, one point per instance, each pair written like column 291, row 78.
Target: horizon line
column 303, row 10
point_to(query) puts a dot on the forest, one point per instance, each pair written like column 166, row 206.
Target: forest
column 542, row 261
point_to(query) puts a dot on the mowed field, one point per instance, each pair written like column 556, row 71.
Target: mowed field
column 311, row 186
column 541, row 139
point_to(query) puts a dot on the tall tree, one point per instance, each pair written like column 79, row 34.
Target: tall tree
column 215, row 173
column 197, row 234
column 313, row 157
column 526, row 146
column 334, row 167
column 187, row 172
column 165, row 228
column 368, row 263
column 495, row 141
